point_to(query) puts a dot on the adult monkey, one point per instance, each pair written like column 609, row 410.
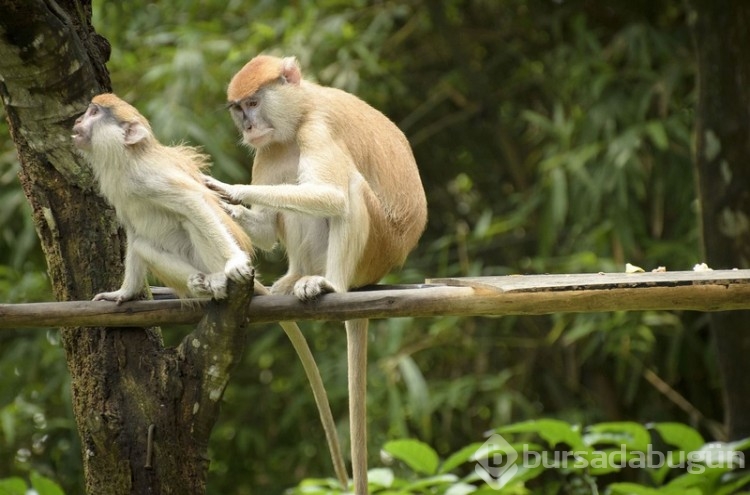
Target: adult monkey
column 336, row 182
column 176, row 226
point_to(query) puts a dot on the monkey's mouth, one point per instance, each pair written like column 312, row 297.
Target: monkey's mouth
column 257, row 138
column 79, row 139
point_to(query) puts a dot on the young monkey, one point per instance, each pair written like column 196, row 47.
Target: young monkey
column 176, row 226
column 336, row 182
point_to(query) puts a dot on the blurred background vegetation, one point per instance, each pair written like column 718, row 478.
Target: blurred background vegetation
column 552, row 137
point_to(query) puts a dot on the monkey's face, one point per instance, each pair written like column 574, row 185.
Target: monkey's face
column 84, row 126
column 250, row 117
column 110, row 122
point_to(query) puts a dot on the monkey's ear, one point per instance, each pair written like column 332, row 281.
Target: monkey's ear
column 290, row 70
column 135, row 132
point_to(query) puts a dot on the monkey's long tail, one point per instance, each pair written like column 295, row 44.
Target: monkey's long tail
column 319, row 392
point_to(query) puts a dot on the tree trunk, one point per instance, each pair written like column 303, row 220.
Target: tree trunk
column 144, row 413
column 722, row 161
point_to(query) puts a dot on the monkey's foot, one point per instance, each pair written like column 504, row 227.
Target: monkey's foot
column 119, row 296
column 212, row 285
column 239, row 269
column 285, row 285
column 310, row 287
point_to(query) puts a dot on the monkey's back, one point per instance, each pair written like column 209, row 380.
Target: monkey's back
column 385, row 159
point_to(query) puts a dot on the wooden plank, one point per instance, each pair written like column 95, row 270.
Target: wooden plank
column 484, row 296
column 598, row 281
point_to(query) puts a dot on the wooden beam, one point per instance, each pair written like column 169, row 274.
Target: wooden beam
column 718, row 290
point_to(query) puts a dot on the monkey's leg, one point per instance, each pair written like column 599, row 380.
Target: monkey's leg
column 135, row 276
column 177, row 273
column 306, row 240
column 346, row 243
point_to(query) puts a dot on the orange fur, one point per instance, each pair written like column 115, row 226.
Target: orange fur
column 123, row 111
column 255, row 74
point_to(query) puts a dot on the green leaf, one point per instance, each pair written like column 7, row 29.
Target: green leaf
column 636, row 489
column 416, row 385
column 7, row 423
column 380, row 477
column 432, row 481
column 739, row 444
column 658, row 135
column 684, row 438
column 417, row 455
column 457, row 458
column 733, row 486
column 12, row 486
column 679, row 435
column 688, row 480
column 715, row 457
column 321, row 486
column 461, row 489
column 45, row 486
column 553, row 431
column 633, row 435
column 599, row 461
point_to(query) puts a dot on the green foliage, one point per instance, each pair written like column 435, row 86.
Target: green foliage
column 39, row 484
column 659, row 458
column 19, row 246
column 420, row 457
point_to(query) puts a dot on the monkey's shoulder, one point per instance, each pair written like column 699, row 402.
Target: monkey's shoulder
column 342, row 102
column 350, row 117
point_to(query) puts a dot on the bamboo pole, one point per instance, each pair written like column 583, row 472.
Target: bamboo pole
column 484, row 296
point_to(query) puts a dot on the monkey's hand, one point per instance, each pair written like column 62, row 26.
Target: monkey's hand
column 212, row 285
column 119, row 296
column 224, row 190
column 239, row 269
column 310, row 287
column 237, row 212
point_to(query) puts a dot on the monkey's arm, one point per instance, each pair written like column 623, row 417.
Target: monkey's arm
column 313, row 199
column 258, row 222
column 207, row 231
column 135, row 276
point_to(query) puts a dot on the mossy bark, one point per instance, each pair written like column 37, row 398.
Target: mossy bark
column 125, row 383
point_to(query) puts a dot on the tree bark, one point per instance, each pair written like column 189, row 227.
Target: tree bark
column 722, row 161
column 144, row 413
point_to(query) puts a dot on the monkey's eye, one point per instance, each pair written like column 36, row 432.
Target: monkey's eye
column 93, row 110
column 251, row 103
